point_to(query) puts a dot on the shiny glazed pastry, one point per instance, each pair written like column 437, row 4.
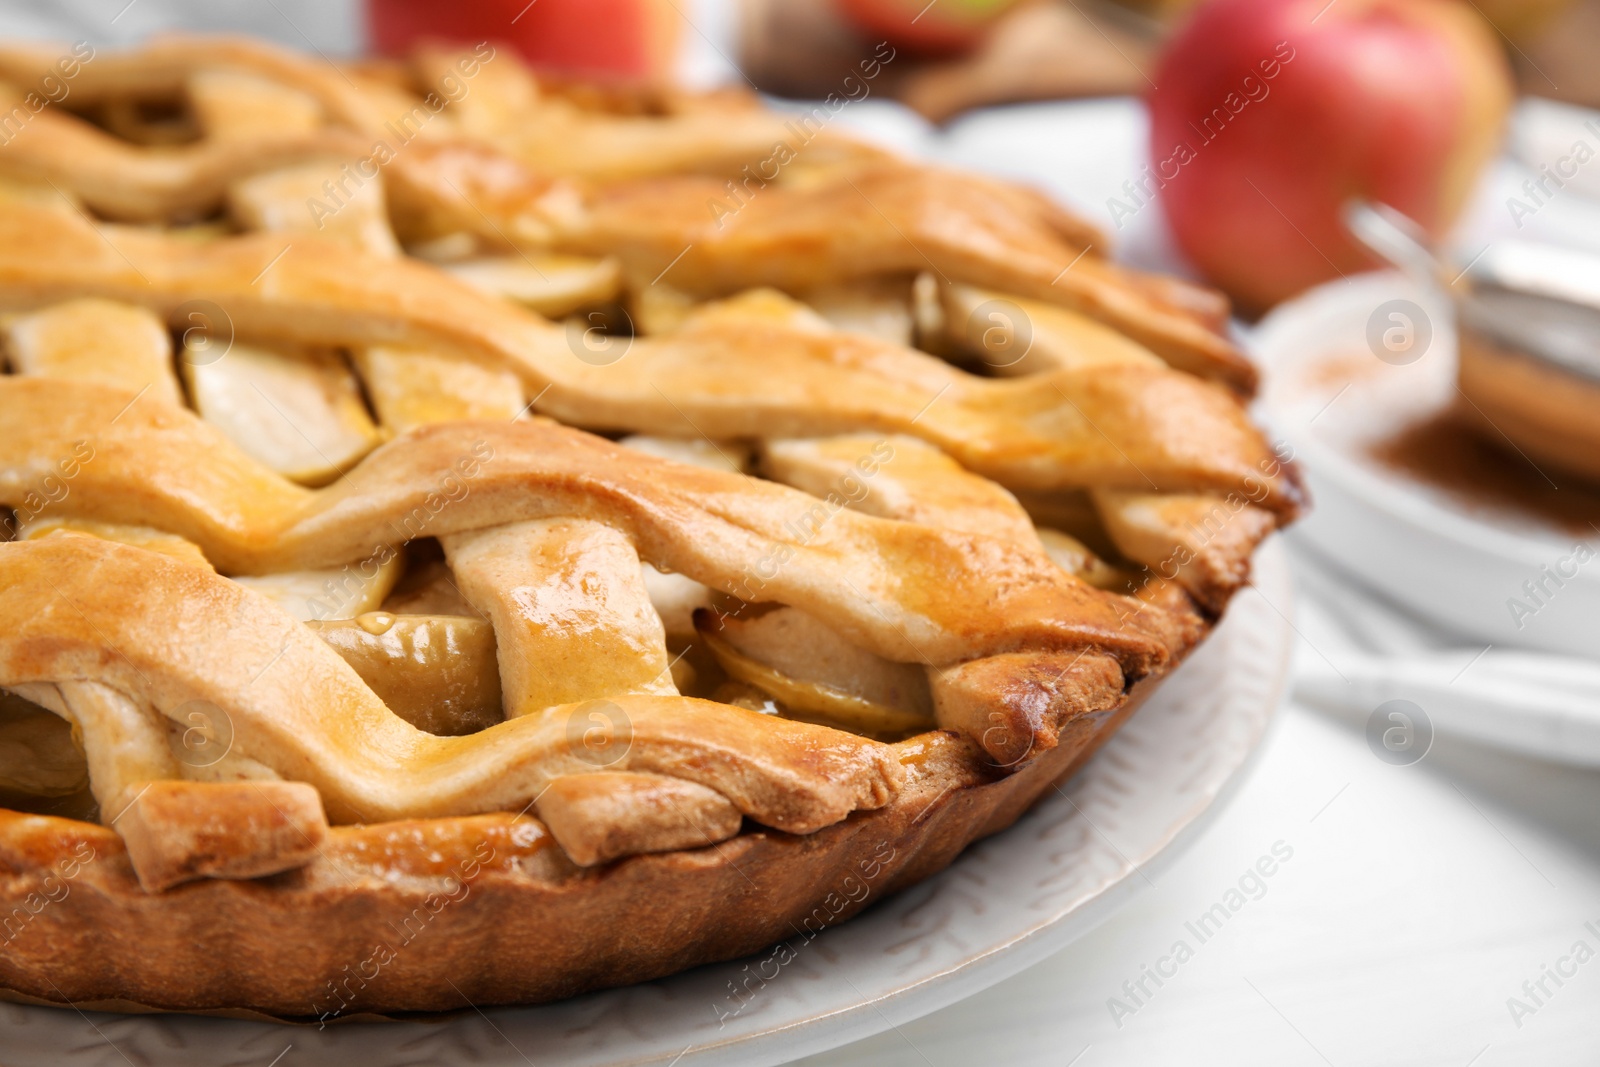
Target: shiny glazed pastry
column 441, row 498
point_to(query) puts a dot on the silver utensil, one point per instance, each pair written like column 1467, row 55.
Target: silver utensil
column 1539, row 300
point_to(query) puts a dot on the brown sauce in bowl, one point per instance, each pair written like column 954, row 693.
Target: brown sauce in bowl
column 1486, row 477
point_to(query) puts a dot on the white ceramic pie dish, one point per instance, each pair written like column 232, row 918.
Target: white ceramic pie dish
column 1005, row 904
column 1484, row 573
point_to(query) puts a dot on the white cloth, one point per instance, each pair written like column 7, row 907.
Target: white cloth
column 1359, row 651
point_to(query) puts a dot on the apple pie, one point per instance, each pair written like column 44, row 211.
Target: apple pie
column 475, row 538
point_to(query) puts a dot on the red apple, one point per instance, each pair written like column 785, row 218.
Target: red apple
column 1271, row 114
column 940, row 28
column 629, row 38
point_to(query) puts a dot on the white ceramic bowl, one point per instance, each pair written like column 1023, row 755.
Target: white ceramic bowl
column 1495, row 576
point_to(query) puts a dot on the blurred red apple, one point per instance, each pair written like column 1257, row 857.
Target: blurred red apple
column 940, row 28
column 1271, row 114
column 626, row 38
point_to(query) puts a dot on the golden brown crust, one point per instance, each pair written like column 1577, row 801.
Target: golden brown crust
column 889, row 217
column 161, row 67
column 176, row 832
column 439, row 914
column 1204, row 541
column 601, row 817
column 914, row 593
column 76, row 606
column 331, row 938
column 506, row 157
column 1123, row 427
column 1013, row 703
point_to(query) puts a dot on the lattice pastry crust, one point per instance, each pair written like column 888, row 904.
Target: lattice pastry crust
column 433, row 502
